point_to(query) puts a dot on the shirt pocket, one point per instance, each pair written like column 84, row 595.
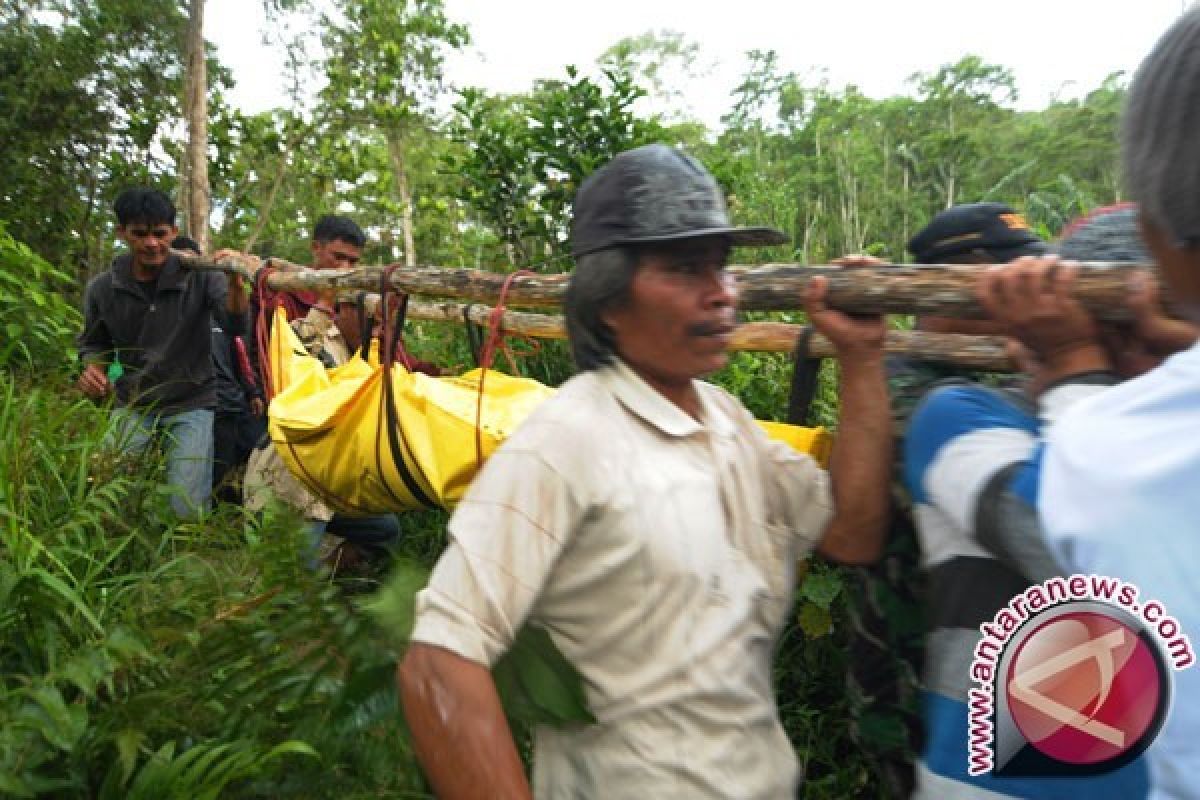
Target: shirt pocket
column 778, row 572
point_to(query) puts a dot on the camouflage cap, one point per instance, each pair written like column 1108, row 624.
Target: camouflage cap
column 1108, row 234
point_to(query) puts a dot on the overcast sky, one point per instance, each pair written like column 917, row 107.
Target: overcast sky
column 1055, row 47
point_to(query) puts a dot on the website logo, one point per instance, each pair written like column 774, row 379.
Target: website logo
column 1074, row 678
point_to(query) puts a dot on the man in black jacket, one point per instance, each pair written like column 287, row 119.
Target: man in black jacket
column 146, row 339
column 240, row 419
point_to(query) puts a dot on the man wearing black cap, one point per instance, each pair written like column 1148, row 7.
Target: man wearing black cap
column 886, row 655
column 974, row 233
column 969, row 454
column 645, row 523
column 1114, row 478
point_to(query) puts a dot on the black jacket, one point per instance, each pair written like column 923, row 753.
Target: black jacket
column 164, row 344
column 233, row 392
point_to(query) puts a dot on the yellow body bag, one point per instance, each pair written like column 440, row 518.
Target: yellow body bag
column 330, row 427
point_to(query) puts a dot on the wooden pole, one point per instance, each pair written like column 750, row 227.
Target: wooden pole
column 971, row 352
column 940, row 290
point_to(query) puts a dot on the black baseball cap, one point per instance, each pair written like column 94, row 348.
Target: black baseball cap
column 654, row 193
column 993, row 228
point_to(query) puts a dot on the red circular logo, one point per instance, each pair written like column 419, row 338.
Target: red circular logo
column 1085, row 688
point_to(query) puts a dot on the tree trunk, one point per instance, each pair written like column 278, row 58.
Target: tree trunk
column 938, row 290
column 91, row 190
column 185, row 186
column 395, row 146
column 196, row 112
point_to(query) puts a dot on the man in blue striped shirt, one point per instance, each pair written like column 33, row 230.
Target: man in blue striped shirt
column 971, row 464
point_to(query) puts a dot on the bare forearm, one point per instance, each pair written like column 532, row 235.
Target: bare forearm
column 459, row 731
column 237, row 301
column 860, row 468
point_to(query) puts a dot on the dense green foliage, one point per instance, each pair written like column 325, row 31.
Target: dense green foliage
column 522, row 158
column 845, row 173
column 140, row 657
column 90, row 95
column 37, row 322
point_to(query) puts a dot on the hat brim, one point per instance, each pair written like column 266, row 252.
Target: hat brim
column 1006, row 254
column 999, row 255
column 738, row 237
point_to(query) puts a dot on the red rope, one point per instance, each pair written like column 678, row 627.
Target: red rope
column 487, row 354
column 243, row 363
column 268, row 301
column 295, row 304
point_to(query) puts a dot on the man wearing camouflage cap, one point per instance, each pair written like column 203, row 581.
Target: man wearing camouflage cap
column 643, row 521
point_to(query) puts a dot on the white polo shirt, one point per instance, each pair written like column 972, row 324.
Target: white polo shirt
column 659, row 554
column 1120, row 496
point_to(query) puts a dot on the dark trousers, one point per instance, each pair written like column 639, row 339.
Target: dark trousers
column 234, row 436
column 380, row 529
column 374, row 533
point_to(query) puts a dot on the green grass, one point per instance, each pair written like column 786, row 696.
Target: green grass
column 141, row 657
column 144, row 657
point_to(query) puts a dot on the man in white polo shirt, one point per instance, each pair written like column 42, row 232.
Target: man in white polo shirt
column 645, row 522
column 1114, row 476
column 1120, row 473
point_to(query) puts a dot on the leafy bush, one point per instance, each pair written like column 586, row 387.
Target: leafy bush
column 36, row 322
column 144, row 657
column 522, row 158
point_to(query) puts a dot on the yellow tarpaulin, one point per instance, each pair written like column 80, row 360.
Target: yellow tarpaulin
column 331, row 429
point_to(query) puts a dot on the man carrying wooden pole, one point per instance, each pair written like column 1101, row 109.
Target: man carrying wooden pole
column 1113, row 480
column 644, row 522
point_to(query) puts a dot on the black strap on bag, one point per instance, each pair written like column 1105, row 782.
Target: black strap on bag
column 366, row 325
column 806, row 372
column 474, row 335
column 392, row 417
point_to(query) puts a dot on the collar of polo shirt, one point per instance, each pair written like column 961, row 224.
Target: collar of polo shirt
column 644, row 401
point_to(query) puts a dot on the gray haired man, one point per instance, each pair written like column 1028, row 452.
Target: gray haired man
column 642, row 520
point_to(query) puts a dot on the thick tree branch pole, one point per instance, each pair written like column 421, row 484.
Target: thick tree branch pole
column 973, row 352
column 938, row 290
column 944, row 291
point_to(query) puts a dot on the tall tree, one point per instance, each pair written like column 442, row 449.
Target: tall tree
column 660, row 62
column 524, row 156
column 89, row 90
column 195, row 184
column 384, row 69
column 962, row 101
